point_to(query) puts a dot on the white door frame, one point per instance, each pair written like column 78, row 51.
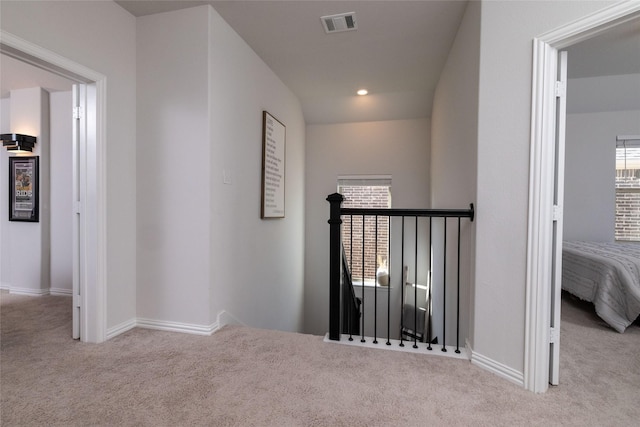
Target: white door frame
column 541, row 181
column 558, row 207
column 93, row 228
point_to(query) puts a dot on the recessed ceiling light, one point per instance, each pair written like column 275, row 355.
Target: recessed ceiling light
column 362, row 92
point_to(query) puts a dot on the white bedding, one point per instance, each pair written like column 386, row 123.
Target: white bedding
column 608, row 275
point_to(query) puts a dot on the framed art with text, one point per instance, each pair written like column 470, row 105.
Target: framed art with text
column 23, row 189
column 273, row 167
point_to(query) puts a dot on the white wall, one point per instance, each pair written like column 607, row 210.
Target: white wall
column 454, row 134
column 604, row 93
column 400, row 148
column 4, row 218
column 101, row 36
column 589, row 205
column 4, row 116
column 202, row 247
column 257, row 265
column 173, row 167
column 504, row 125
column 61, row 193
column 60, row 250
column 28, row 253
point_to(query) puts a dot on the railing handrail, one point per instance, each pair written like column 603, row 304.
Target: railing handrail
column 440, row 213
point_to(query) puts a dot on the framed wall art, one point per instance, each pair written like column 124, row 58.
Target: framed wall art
column 273, row 167
column 24, row 194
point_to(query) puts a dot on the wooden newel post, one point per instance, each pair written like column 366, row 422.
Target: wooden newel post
column 335, row 221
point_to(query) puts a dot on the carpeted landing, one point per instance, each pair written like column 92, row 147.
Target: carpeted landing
column 242, row 376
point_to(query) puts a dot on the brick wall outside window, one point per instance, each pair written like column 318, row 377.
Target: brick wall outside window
column 360, row 196
column 627, row 204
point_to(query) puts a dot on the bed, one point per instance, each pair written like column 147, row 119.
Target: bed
column 606, row 274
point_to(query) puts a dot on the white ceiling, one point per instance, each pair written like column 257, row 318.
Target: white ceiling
column 397, row 53
column 612, row 53
column 20, row 75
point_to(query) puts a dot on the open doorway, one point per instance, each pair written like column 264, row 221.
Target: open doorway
column 601, row 211
column 543, row 214
column 603, row 101
column 20, row 76
column 89, row 240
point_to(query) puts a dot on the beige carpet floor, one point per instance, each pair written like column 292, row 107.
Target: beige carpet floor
column 242, row 376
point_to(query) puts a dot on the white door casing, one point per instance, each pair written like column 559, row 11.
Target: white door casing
column 78, row 245
column 558, row 203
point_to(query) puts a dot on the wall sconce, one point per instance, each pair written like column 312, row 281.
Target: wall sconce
column 18, row 142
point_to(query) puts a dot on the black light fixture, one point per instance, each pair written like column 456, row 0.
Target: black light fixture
column 18, row 142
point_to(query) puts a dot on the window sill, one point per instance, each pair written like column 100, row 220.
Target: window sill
column 369, row 284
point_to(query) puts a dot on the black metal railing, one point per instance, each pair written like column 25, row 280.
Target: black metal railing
column 342, row 297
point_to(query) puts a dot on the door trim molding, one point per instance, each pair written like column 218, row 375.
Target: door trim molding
column 541, row 180
column 94, row 317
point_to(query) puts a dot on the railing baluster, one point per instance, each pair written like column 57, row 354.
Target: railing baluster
column 389, row 281
column 351, row 242
column 351, row 267
column 402, row 287
column 375, row 287
column 363, row 263
column 415, row 290
column 458, row 294
column 346, row 320
column 429, row 283
column 444, row 291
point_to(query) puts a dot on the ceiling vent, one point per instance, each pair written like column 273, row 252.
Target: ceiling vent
column 340, row 22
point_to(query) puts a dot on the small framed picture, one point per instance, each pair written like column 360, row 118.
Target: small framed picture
column 24, row 194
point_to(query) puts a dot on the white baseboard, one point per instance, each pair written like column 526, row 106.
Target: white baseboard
column 498, row 368
column 467, row 345
column 28, row 291
column 4, row 286
column 395, row 346
column 121, row 328
column 160, row 325
column 225, row 318
column 60, row 292
column 187, row 328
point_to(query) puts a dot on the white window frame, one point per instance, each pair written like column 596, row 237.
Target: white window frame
column 631, row 161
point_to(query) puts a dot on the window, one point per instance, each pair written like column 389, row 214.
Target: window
column 366, row 192
column 627, row 192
